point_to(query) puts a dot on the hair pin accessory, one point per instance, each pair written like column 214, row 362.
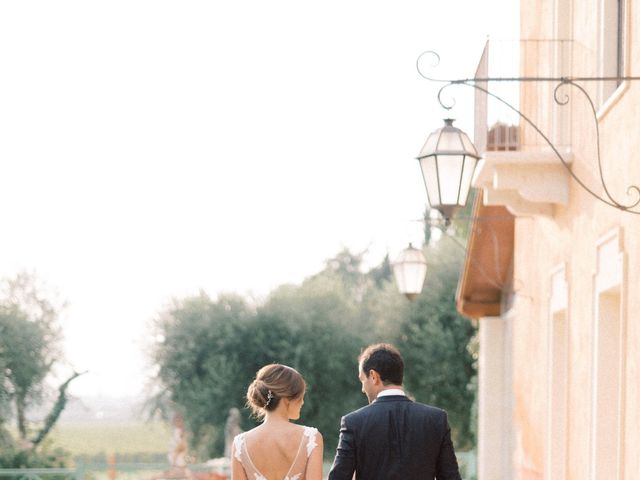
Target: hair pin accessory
column 269, row 397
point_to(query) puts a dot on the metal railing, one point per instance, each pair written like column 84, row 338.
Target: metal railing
column 40, row 474
column 499, row 128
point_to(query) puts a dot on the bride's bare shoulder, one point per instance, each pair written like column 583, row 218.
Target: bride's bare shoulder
column 303, row 430
column 253, row 430
column 290, row 429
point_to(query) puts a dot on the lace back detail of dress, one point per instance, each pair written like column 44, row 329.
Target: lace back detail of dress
column 298, row 468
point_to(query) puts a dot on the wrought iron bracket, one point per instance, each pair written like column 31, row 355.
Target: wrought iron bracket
column 560, row 100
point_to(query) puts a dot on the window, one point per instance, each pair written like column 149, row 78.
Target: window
column 612, row 32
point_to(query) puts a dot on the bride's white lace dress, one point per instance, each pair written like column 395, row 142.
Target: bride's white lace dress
column 298, row 467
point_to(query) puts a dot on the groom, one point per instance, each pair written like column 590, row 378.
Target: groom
column 393, row 437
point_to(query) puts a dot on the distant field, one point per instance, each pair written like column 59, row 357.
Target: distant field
column 94, row 438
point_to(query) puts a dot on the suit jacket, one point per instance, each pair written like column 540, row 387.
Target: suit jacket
column 395, row 438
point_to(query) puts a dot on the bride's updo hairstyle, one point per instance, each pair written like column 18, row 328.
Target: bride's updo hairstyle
column 273, row 383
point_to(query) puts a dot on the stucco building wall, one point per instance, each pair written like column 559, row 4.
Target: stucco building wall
column 561, row 359
column 570, row 238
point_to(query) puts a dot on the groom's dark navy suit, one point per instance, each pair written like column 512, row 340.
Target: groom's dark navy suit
column 395, row 438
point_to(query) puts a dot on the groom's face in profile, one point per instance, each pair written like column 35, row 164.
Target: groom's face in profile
column 368, row 385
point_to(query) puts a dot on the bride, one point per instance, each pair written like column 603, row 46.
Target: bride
column 277, row 449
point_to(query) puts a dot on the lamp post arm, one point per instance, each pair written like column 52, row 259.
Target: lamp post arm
column 571, row 81
column 609, row 200
column 512, row 79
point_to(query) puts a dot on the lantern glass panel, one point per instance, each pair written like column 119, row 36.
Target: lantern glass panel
column 430, row 144
column 468, row 146
column 430, row 174
column 450, row 141
column 410, row 276
column 467, row 174
column 450, row 171
column 399, row 274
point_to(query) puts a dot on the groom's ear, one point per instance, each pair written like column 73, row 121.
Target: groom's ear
column 374, row 376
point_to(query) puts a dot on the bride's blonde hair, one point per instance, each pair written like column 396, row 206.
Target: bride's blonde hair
column 273, row 383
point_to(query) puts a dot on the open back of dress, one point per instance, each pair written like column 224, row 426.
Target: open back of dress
column 298, row 467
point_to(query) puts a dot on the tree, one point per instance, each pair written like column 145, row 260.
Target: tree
column 426, row 216
column 199, row 358
column 26, row 360
column 382, row 274
column 29, row 339
column 29, row 349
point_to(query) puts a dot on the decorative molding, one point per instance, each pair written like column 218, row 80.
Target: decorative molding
column 608, row 377
column 526, row 183
column 558, row 373
column 559, row 298
column 609, row 260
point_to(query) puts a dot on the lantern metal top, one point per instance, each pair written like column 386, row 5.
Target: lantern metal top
column 448, row 140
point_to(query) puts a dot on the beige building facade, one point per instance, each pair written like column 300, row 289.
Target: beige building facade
column 552, row 274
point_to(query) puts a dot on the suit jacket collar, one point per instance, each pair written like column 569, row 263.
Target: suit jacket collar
column 392, row 398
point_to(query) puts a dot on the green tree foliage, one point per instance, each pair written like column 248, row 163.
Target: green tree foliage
column 15, row 455
column 210, row 349
column 29, row 339
column 427, row 225
column 28, row 343
column 201, row 344
column 382, row 274
column 29, row 349
column 26, row 362
column 55, row 412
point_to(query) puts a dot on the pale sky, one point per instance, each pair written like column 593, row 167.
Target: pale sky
column 150, row 149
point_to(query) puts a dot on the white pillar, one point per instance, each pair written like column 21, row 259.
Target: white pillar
column 494, row 400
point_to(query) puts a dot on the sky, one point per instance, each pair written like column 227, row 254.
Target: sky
column 153, row 149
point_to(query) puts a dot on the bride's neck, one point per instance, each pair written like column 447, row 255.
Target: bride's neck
column 275, row 417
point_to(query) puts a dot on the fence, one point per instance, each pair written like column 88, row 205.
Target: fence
column 39, row 474
column 121, row 471
column 159, row 471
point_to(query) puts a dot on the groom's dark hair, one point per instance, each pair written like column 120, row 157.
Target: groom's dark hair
column 385, row 359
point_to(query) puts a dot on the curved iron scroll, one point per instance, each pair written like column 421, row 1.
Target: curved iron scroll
column 561, row 81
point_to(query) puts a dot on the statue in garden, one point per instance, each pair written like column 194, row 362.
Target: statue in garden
column 231, row 429
column 178, row 444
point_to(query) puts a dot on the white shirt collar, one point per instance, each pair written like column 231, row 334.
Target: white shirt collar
column 391, row 391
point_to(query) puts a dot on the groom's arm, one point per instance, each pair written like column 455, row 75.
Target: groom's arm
column 345, row 462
